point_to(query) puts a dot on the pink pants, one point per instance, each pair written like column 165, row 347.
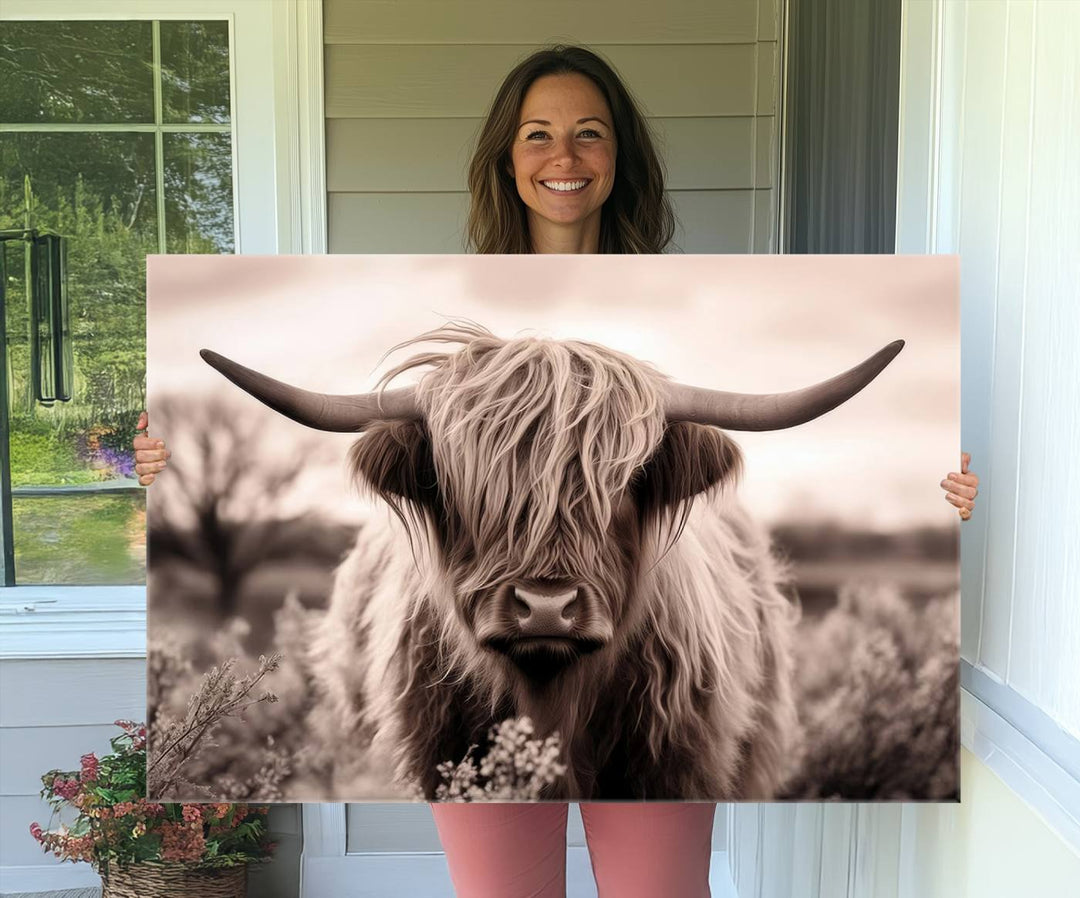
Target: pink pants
column 519, row 850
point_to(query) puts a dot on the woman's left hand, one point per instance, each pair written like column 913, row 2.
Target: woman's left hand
column 961, row 489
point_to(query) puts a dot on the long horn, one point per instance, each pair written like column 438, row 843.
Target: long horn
column 773, row 411
column 323, row 411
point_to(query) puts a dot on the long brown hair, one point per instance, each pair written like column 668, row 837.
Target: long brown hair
column 637, row 216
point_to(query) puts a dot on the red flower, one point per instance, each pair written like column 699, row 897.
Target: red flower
column 35, row 831
column 65, row 788
column 89, row 767
column 181, row 841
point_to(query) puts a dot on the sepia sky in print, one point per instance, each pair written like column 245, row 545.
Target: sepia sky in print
column 747, row 323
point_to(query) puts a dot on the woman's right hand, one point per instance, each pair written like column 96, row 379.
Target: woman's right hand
column 150, row 454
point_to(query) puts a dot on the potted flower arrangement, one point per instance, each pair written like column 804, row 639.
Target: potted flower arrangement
column 142, row 848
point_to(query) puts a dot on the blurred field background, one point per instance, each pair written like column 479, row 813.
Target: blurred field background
column 235, row 575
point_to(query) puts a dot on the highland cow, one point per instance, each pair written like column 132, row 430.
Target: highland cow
column 566, row 546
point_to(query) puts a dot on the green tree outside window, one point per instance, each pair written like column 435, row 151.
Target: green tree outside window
column 118, row 136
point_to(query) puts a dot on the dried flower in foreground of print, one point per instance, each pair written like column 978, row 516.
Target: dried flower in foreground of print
column 516, row 767
column 175, row 742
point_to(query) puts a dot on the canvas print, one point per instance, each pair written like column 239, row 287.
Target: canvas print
column 478, row 528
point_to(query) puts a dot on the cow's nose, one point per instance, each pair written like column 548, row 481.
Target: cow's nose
column 549, row 614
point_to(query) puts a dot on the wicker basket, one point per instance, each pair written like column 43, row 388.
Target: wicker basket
column 170, row 880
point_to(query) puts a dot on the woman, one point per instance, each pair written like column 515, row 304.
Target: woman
column 565, row 164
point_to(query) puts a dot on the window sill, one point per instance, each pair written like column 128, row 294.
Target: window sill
column 1040, row 775
column 73, row 622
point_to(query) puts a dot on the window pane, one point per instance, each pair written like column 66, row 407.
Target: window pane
column 98, row 191
column 80, row 181
column 83, row 540
column 195, row 72
column 76, row 72
column 198, row 193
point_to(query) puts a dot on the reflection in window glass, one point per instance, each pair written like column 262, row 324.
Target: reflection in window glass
column 79, row 516
column 86, row 540
column 65, row 72
column 195, row 71
column 198, row 193
column 82, row 183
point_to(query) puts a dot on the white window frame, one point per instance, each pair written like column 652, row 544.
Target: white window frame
column 279, row 198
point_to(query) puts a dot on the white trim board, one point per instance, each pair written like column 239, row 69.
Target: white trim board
column 1049, row 789
column 73, row 622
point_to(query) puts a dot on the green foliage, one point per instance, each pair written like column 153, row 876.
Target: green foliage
column 100, row 191
column 102, row 539
column 117, row 825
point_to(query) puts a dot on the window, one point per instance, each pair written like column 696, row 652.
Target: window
column 117, row 136
column 278, row 172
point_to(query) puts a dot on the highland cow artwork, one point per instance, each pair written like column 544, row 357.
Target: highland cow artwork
column 532, row 528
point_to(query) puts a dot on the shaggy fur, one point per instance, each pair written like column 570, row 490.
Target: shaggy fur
column 542, row 460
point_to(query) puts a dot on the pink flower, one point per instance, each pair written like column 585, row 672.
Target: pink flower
column 89, row 767
column 181, row 842
column 192, row 813
column 65, row 788
column 35, row 831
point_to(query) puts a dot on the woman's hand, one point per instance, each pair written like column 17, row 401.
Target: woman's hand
column 961, row 489
column 150, row 454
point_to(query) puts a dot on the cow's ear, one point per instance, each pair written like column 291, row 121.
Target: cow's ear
column 691, row 459
column 394, row 459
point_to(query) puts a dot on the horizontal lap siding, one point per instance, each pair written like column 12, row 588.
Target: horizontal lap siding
column 408, row 84
column 460, row 81
column 530, row 23
column 53, row 712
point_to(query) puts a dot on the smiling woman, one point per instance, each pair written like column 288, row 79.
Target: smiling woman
column 563, row 160
column 560, row 118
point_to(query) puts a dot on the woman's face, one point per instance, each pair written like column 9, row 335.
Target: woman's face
column 563, row 154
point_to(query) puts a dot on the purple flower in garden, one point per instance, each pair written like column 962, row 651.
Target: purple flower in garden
column 110, row 462
column 119, row 462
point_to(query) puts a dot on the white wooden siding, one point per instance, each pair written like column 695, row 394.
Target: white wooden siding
column 1012, row 211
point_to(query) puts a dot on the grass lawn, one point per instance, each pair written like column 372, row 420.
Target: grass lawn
column 83, row 540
